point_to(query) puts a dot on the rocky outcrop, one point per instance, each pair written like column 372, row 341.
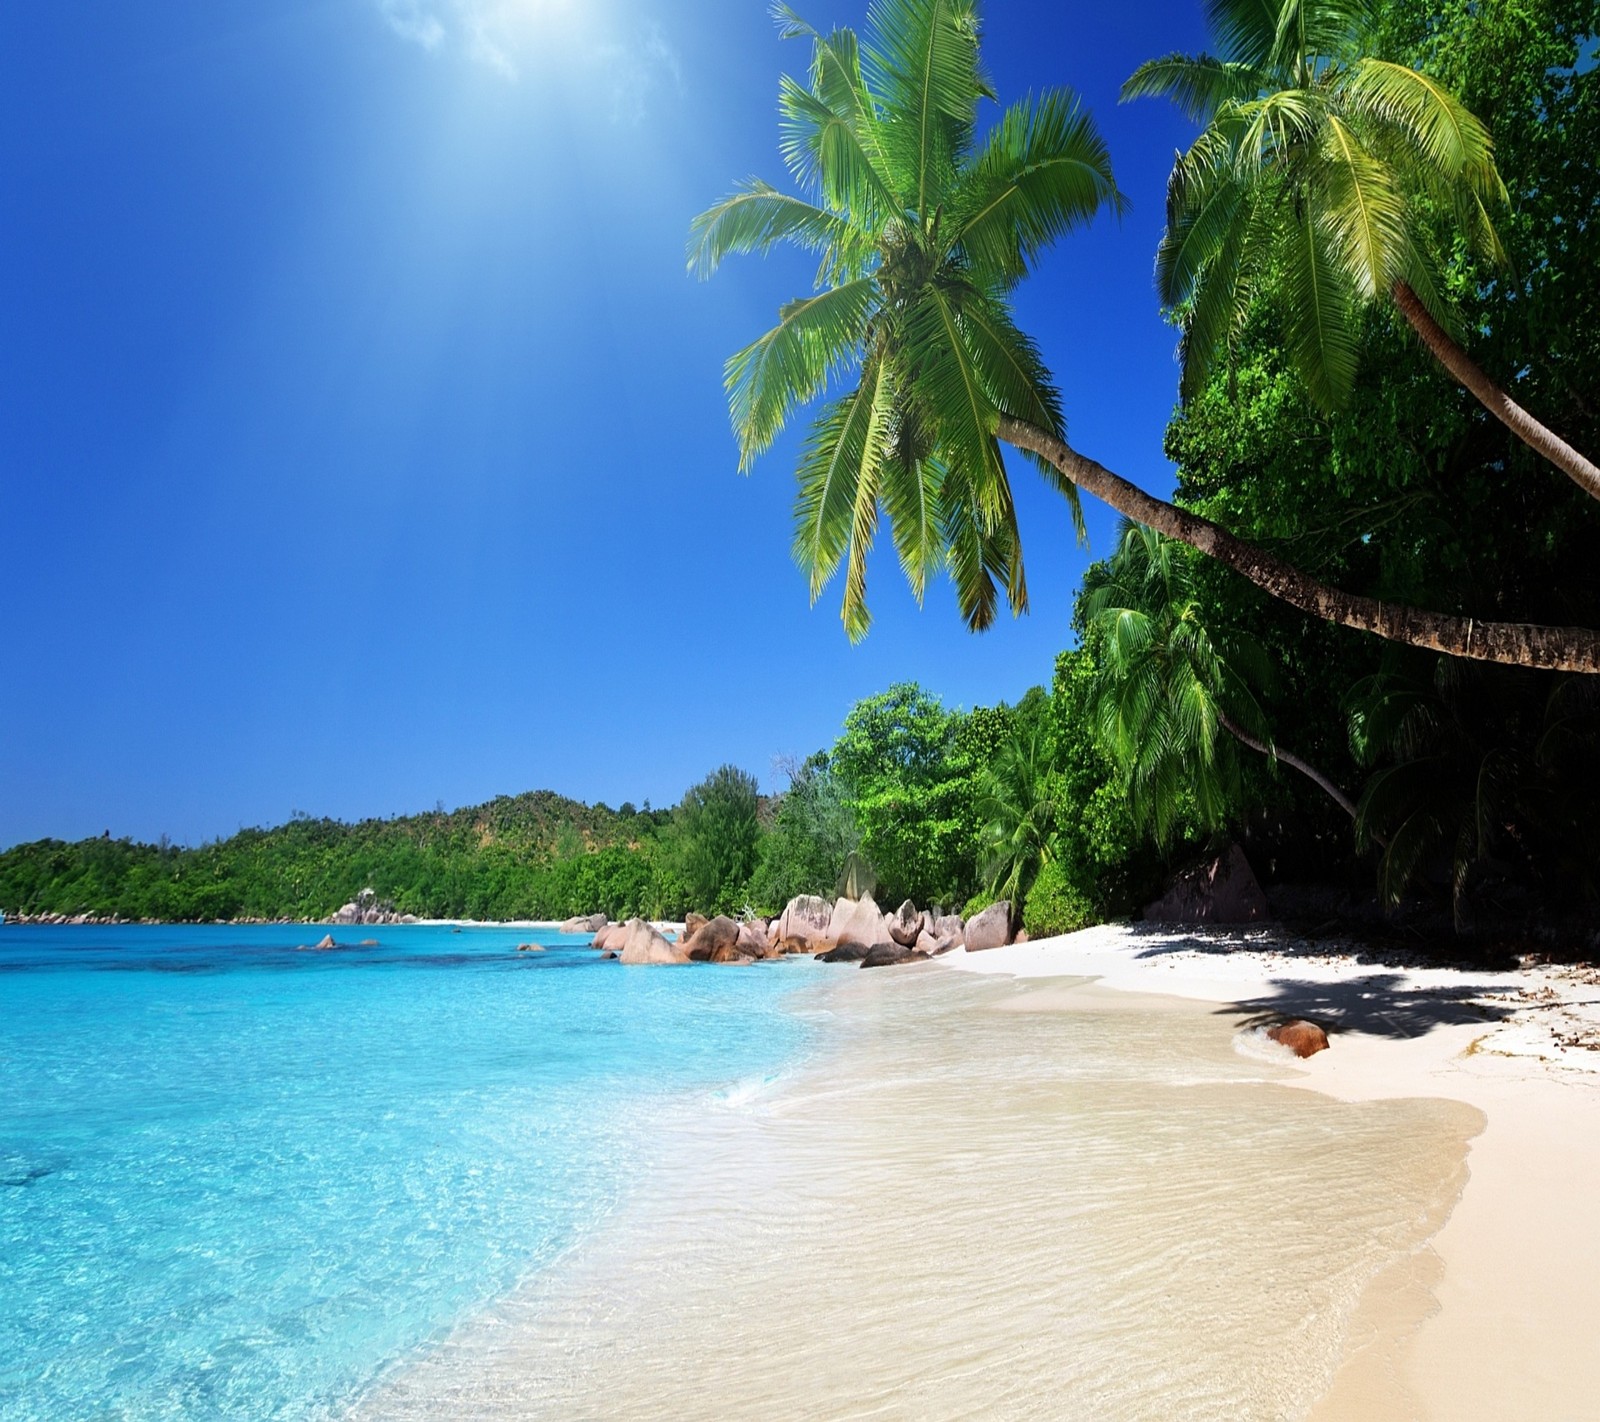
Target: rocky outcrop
column 710, row 935
column 858, row 921
column 803, row 925
column 588, row 923
column 643, row 944
column 753, row 939
column 904, row 924
column 692, row 924
column 949, row 925
column 366, row 907
column 611, row 938
column 933, row 945
column 1304, row 1039
column 1224, row 890
column 989, row 929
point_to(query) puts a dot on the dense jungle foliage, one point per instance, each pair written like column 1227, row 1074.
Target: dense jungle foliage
column 1191, row 707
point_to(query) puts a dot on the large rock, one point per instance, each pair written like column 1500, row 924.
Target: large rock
column 934, row 945
column 729, row 953
column 713, row 933
column 586, row 923
column 886, row 955
column 643, row 944
column 845, row 953
column 989, row 929
column 1304, row 1039
column 692, row 924
column 949, row 925
column 904, row 924
column 611, row 938
column 1224, row 890
column 858, row 921
column 803, row 924
column 753, row 939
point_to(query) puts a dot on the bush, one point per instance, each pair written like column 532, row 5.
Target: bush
column 1056, row 905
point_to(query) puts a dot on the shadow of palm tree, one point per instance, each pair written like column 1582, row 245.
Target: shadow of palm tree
column 1377, row 1004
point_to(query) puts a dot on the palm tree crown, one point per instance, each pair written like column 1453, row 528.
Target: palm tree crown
column 922, row 231
column 1310, row 183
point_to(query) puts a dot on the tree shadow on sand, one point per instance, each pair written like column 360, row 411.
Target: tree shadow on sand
column 1380, row 1003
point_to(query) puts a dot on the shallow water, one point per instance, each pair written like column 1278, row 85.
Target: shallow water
column 967, row 1211
column 238, row 1179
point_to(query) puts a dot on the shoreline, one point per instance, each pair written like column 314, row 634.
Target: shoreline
column 1512, row 1276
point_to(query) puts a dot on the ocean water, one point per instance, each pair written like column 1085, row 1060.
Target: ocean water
column 240, row 1180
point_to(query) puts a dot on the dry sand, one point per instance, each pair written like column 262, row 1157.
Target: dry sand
column 1498, row 1318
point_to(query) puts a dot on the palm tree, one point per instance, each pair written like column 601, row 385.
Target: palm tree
column 1173, row 696
column 1310, row 184
column 921, row 234
column 1019, row 811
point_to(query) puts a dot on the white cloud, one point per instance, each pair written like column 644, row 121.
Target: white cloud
column 623, row 65
column 413, row 20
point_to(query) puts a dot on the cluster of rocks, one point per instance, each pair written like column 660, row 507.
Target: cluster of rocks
column 842, row 931
column 366, row 908
column 98, row 918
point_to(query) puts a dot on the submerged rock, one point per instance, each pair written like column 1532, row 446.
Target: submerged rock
column 887, row 955
column 530, row 948
column 845, row 953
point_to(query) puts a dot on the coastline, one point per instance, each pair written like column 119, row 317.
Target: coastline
column 1495, row 1319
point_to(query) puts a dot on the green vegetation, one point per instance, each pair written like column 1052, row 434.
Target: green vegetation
column 1332, row 481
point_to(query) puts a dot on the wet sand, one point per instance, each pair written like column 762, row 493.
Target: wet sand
column 985, row 1198
column 1496, row 1318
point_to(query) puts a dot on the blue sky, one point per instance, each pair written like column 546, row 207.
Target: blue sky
column 362, row 436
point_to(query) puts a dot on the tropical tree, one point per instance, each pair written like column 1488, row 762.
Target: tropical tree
column 922, row 232
column 1312, row 184
column 1173, row 696
column 718, row 838
column 1020, row 809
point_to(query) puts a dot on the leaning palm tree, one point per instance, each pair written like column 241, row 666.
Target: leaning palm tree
column 1311, row 184
column 921, row 233
column 1174, row 695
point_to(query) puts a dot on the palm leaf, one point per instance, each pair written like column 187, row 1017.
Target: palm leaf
column 923, row 66
column 846, row 440
column 815, row 337
column 756, row 216
column 1198, row 84
column 1043, row 170
column 1316, row 308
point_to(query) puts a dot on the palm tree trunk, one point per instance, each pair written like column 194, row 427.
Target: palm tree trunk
column 1543, row 442
column 1573, row 649
column 1239, row 733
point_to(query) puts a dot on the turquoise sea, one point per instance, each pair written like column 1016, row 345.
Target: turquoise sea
column 239, row 1179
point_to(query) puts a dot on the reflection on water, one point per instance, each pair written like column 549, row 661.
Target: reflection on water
column 1086, row 1213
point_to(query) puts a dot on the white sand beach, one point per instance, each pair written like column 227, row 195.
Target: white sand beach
column 1500, row 1322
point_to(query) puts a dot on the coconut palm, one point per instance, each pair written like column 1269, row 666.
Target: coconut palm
column 1311, row 183
column 1173, row 696
column 922, row 231
column 1019, row 811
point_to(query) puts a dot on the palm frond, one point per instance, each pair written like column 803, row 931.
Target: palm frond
column 1198, row 84
column 825, row 152
column 845, row 440
column 923, row 66
column 1365, row 210
column 756, row 216
column 1316, row 308
column 815, row 338
column 1043, row 170
column 911, row 499
column 1446, row 136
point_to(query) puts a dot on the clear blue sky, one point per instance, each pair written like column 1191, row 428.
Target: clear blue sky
column 362, row 436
